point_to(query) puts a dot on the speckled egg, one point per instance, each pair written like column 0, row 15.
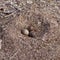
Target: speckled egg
column 25, row 31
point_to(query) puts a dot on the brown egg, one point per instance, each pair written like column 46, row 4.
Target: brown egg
column 31, row 34
column 30, row 28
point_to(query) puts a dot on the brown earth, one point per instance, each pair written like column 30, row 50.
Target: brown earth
column 43, row 16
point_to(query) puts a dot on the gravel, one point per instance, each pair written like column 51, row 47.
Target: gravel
column 43, row 41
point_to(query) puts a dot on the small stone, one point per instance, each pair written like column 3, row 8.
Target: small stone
column 0, row 43
column 25, row 31
column 7, row 12
column 29, row 1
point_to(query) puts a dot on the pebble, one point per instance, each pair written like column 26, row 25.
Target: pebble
column 8, row 10
column 29, row 1
column 25, row 32
column 0, row 43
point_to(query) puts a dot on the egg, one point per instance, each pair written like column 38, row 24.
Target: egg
column 25, row 31
column 30, row 28
column 32, row 34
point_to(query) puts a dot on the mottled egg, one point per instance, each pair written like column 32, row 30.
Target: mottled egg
column 30, row 28
column 32, row 34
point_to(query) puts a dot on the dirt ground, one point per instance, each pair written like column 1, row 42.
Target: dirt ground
column 44, row 41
